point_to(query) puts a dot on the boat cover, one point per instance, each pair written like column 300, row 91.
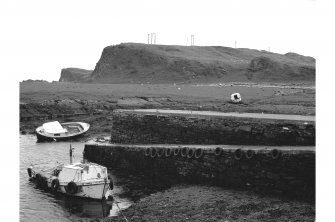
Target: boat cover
column 54, row 127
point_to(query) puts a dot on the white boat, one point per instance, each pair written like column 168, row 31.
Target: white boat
column 87, row 180
column 61, row 131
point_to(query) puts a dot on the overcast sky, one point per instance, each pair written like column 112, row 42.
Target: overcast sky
column 42, row 37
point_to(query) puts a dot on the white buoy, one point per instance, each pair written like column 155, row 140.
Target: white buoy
column 235, row 98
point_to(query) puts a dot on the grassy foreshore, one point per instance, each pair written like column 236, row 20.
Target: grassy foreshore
column 207, row 203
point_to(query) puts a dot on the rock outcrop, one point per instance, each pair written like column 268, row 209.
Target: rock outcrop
column 74, row 75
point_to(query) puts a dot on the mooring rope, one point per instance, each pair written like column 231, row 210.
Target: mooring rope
column 124, row 217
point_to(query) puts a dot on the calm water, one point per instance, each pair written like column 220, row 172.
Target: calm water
column 39, row 205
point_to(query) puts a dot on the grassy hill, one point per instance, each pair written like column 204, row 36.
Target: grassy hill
column 142, row 63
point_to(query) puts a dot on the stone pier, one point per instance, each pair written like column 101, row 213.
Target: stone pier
column 279, row 170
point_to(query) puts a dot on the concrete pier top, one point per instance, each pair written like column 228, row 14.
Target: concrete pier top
column 221, row 114
column 229, row 147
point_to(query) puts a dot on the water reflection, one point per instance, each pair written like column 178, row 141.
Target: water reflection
column 40, row 205
column 85, row 208
column 37, row 204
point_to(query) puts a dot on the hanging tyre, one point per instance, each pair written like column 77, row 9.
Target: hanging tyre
column 160, row 152
column 71, row 188
column 29, row 172
column 184, row 152
column 153, row 152
column 249, row 154
column 176, row 151
column 238, row 154
column 55, row 184
column 275, row 154
column 147, row 152
column 190, row 153
column 111, row 185
column 41, row 181
column 198, row 153
column 168, row 152
column 218, row 151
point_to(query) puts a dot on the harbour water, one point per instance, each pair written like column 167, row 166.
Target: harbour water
column 39, row 205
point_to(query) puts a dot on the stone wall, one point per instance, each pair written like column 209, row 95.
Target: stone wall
column 287, row 171
column 177, row 129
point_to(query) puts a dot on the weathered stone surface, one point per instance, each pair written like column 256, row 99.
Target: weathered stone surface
column 149, row 129
column 292, row 176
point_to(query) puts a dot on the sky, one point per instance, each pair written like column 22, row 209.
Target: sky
column 41, row 37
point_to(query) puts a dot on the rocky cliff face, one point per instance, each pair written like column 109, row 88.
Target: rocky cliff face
column 74, row 75
column 142, row 63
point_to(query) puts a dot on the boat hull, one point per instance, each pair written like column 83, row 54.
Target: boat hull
column 42, row 138
column 98, row 190
column 42, row 135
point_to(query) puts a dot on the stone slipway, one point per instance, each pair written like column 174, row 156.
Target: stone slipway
column 222, row 114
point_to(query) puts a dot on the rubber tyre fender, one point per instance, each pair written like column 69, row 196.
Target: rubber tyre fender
column 176, row 151
column 153, row 152
column 190, row 153
column 160, row 152
column 147, row 152
column 249, row 154
column 275, row 154
column 111, row 185
column 55, row 184
column 183, row 152
column 168, row 152
column 198, row 153
column 238, row 154
column 38, row 178
column 29, row 172
column 218, row 151
column 71, row 188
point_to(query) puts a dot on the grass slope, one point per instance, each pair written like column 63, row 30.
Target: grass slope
column 139, row 63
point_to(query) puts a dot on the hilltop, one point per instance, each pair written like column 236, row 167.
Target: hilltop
column 142, row 63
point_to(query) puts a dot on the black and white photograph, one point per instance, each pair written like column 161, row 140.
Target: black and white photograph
column 165, row 111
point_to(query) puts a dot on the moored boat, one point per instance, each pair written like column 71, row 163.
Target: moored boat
column 87, row 180
column 54, row 131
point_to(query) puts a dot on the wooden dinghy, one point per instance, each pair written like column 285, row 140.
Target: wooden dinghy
column 55, row 131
